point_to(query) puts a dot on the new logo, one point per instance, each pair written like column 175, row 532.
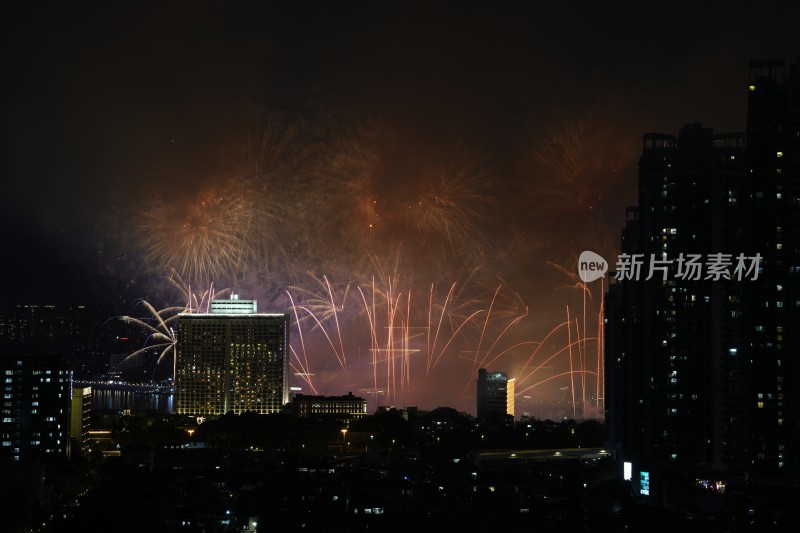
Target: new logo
column 591, row 266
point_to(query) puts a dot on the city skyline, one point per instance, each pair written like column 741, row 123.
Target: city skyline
column 526, row 122
column 400, row 266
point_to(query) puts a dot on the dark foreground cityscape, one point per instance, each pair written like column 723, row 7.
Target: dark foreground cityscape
column 666, row 399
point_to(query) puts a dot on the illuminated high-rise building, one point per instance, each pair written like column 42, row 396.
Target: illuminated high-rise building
column 80, row 419
column 232, row 359
column 510, row 396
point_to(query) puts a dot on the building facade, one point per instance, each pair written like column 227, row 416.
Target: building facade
column 772, row 411
column 510, row 392
column 342, row 408
column 232, row 361
column 80, row 419
column 35, row 423
column 702, row 374
column 492, row 396
column 674, row 345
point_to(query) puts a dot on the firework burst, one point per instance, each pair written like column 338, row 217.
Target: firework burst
column 246, row 223
column 213, row 236
column 568, row 172
column 160, row 329
column 384, row 199
column 383, row 252
column 160, row 325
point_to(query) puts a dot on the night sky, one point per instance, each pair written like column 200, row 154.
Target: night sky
column 110, row 109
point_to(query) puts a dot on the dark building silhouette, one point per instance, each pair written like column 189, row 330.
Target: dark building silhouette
column 624, row 386
column 702, row 374
column 674, row 346
column 35, row 423
column 773, row 228
column 64, row 329
column 492, row 396
column 82, row 334
column 342, row 408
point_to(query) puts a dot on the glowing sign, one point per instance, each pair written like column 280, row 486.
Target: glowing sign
column 627, row 471
column 644, row 483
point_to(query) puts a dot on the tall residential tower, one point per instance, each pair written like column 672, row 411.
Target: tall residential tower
column 674, row 346
column 773, row 228
column 703, row 374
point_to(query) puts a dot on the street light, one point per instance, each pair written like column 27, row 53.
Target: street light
column 344, row 434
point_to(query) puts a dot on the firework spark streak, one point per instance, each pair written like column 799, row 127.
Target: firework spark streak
column 161, row 336
column 579, row 344
column 160, row 325
column 195, row 302
column 390, row 318
column 322, row 221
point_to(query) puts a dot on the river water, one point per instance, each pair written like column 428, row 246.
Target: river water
column 118, row 400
